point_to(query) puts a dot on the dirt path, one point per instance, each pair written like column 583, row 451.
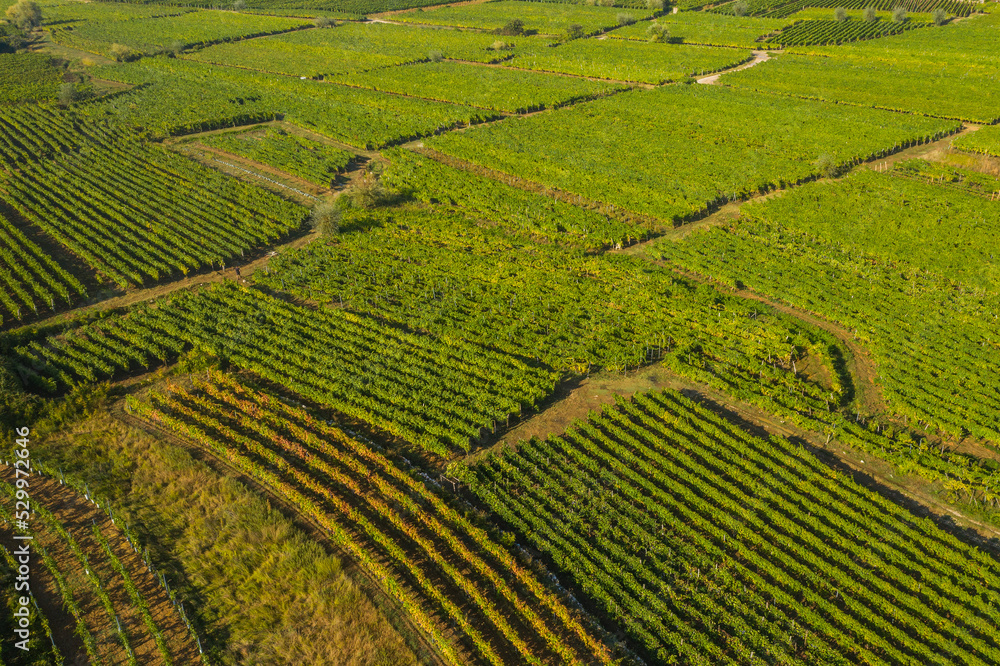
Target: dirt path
column 758, row 57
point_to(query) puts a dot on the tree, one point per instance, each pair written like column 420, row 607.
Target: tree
column 67, row 94
column 940, row 16
column 26, row 15
column 324, row 22
column 239, row 5
column 658, row 33
column 435, row 56
column 740, row 8
column 574, row 31
column 512, row 28
column 899, row 15
column 325, row 217
column 840, row 14
column 500, row 45
column 655, row 5
column 12, row 40
column 625, row 19
column 870, row 15
column 122, row 53
column 827, row 166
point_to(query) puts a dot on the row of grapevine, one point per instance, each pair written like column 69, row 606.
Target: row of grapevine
column 708, row 545
column 430, row 391
column 31, row 279
column 41, row 641
column 519, row 210
column 985, row 140
column 839, row 32
column 135, row 212
column 399, row 528
column 786, row 8
column 100, row 588
column 920, row 293
column 311, row 160
column 984, row 184
column 28, row 77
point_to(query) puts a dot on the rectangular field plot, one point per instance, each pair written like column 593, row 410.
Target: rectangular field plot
column 27, row 77
column 950, row 91
column 706, row 544
column 488, row 87
column 672, row 151
column 310, row 160
column 188, row 30
column 187, row 96
column 705, row 28
column 919, row 285
column 352, row 47
column 623, row 60
column 831, row 31
column 133, row 212
column 545, row 18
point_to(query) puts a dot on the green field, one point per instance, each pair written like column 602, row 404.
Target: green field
column 719, row 144
column 705, row 28
column 28, row 77
column 311, row 160
column 628, row 61
column 985, row 140
column 487, row 87
column 352, row 47
column 150, row 35
column 544, row 18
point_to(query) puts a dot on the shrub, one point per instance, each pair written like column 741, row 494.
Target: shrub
column 658, row 33
column 325, row 217
column 574, row 31
column 840, row 14
column 606, row 3
column 122, row 53
column 655, row 5
column 899, row 14
column 512, row 28
column 827, row 166
column 239, row 5
column 500, row 45
column 940, row 16
column 435, row 56
column 740, row 8
column 25, row 14
column 625, row 19
column 870, row 15
column 324, row 22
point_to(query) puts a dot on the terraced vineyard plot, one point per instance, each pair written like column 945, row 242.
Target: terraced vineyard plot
column 84, row 563
column 628, row 61
column 189, row 30
column 186, row 96
column 950, row 91
column 708, row 545
column 55, row 14
column 546, row 18
column 400, row 529
column 31, row 279
column 705, row 28
column 985, row 140
column 513, row 208
column 712, row 145
column 352, row 47
column 919, row 284
column 28, row 77
column 133, row 212
column 983, row 184
column 487, row 87
column 311, row 160
column 838, row 32
column 434, row 392
column 784, row 8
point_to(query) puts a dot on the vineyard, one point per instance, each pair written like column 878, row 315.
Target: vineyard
column 518, row 210
column 985, row 140
column 839, row 32
column 311, row 160
column 354, row 47
column 178, row 96
column 779, row 9
column 916, row 284
column 928, row 88
column 438, row 393
column 727, row 127
column 397, row 524
column 189, row 30
column 628, row 61
column 544, row 18
column 486, row 87
column 705, row 28
column 983, row 184
column 708, row 545
column 28, row 77
column 96, row 583
column 133, row 212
